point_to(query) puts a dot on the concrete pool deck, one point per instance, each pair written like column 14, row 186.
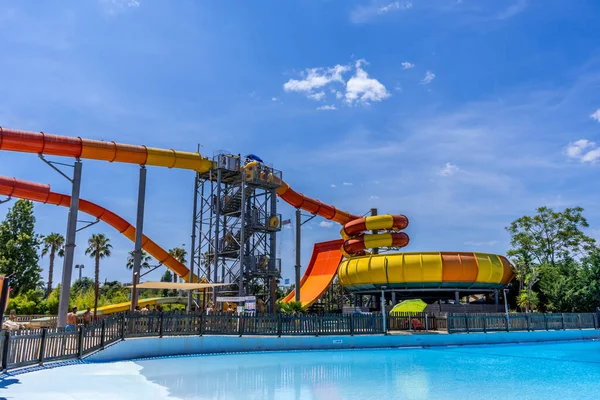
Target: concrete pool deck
column 187, row 345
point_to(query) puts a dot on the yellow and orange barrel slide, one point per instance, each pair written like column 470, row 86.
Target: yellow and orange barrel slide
column 425, row 270
column 13, row 187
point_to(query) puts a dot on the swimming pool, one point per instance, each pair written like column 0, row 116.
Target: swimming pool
column 541, row 371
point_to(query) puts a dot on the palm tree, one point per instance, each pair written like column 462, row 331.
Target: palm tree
column 145, row 260
column 98, row 248
column 54, row 244
column 179, row 254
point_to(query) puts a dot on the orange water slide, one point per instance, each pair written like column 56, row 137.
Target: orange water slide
column 77, row 147
column 321, row 270
column 55, row 145
column 13, row 187
column 313, row 206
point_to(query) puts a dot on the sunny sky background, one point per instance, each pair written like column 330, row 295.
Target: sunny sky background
column 463, row 115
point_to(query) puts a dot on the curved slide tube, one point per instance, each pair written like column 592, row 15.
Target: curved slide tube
column 321, row 270
column 66, row 146
column 13, row 187
column 357, row 240
column 425, row 270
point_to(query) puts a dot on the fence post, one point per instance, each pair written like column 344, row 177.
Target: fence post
column 546, row 320
column 123, row 326
column 241, row 320
column 43, row 345
column 318, row 325
column 507, row 323
column 594, row 320
column 351, row 325
column 202, row 321
column 103, row 333
column 278, row 325
column 160, row 325
column 80, row 342
column 5, row 348
column 484, row 324
column 426, row 323
column 562, row 316
column 467, row 323
column 579, row 320
column 527, row 321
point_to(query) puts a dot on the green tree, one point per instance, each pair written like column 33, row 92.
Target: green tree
column 98, row 248
column 550, row 236
column 167, row 277
column 178, row 253
column 144, row 260
column 53, row 244
column 19, row 246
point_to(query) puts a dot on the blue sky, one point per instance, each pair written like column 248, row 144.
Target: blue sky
column 463, row 115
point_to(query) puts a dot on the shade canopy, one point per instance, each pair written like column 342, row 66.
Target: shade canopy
column 414, row 305
column 177, row 286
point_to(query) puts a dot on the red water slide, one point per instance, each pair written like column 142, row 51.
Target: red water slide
column 13, row 187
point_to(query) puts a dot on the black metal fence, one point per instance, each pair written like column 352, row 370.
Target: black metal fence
column 521, row 322
column 36, row 346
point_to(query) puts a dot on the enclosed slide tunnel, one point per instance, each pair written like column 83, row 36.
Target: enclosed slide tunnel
column 41, row 193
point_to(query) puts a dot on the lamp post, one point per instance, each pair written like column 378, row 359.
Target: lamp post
column 383, row 315
column 505, row 291
column 80, row 267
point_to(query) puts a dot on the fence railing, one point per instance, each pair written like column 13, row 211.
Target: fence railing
column 36, row 346
column 521, row 322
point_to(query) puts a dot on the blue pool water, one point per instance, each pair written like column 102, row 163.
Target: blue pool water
column 542, row 371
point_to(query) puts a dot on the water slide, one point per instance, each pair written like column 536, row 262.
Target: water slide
column 355, row 228
column 320, row 272
column 41, row 193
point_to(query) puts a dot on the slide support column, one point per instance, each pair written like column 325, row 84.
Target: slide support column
column 65, row 287
column 273, row 255
column 139, row 236
column 242, row 242
column 374, row 232
column 298, row 243
column 216, row 238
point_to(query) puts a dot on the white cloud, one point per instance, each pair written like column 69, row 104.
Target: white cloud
column 596, row 115
column 348, row 184
column 316, row 78
column 114, row 6
column 317, row 96
column 429, row 76
column 365, row 13
column 407, row 65
column 488, row 243
column 449, row 169
column 373, row 197
column 273, row 98
column 327, row 108
column 362, row 89
column 333, row 185
column 584, row 151
column 513, row 10
column 326, row 224
column 396, row 5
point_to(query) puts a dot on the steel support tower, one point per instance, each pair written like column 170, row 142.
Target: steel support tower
column 235, row 227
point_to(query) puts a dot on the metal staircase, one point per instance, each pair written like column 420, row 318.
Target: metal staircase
column 232, row 203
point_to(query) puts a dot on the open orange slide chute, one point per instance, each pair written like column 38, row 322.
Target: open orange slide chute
column 321, row 270
column 13, row 187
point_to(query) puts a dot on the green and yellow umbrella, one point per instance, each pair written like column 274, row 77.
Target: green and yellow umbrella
column 409, row 306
